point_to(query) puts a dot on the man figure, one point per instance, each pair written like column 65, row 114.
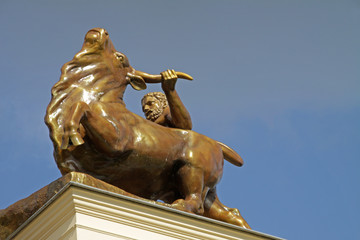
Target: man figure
column 166, row 110
column 169, row 111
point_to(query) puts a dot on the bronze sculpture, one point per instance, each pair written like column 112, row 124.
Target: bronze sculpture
column 94, row 133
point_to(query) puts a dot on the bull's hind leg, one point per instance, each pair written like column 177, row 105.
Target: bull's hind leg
column 190, row 182
column 216, row 210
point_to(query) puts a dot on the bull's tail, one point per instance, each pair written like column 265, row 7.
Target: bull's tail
column 230, row 155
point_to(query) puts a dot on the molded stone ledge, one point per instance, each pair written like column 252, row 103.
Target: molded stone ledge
column 16, row 214
column 78, row 206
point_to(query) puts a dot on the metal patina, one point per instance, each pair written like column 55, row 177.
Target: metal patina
column 94, row 133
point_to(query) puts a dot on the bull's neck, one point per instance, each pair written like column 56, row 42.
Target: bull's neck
column 114, row 95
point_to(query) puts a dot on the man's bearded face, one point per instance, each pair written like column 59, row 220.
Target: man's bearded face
column 152, row 108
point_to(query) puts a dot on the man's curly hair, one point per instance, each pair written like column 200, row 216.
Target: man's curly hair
column 159, row 96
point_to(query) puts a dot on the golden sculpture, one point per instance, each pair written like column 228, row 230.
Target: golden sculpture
column 94, row 133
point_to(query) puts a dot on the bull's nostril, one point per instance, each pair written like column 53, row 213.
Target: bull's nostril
column 92, row 36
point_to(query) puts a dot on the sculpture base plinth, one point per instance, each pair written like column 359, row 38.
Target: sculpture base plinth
column 85, row 208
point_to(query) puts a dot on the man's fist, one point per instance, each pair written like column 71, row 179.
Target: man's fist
column 169, row 79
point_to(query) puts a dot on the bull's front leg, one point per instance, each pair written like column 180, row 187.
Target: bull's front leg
column 103, row 133
column 72, row 125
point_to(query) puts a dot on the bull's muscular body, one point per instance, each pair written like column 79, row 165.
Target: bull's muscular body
column 94, row 133
column 148, row 158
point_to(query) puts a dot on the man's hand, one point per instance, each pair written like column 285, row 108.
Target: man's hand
column 169, row 79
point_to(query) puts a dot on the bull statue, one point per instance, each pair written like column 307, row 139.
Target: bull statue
column 94, row 133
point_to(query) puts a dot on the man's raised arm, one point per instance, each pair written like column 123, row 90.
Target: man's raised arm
column 179, row 117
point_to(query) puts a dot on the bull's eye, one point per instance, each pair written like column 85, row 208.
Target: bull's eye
column 119, row 56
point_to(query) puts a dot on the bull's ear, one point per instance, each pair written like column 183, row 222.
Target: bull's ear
column 136, row 81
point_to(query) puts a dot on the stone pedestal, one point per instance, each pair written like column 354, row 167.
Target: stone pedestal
column 80, row 210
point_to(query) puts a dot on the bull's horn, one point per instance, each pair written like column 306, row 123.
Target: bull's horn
column 184, row 75
column 157, row 78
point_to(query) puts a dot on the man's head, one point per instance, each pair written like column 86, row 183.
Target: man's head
column 153, row 105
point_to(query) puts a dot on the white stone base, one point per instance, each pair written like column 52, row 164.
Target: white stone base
column 83, row 212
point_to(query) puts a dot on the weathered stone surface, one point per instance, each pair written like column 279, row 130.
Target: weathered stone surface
column 16, row 214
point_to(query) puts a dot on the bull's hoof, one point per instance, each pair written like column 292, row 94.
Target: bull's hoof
column 76, row 139
column 190, row 206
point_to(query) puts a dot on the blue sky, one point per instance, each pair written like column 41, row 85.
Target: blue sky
column 276, row 80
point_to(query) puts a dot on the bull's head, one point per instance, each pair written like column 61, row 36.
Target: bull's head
column 98, row 44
